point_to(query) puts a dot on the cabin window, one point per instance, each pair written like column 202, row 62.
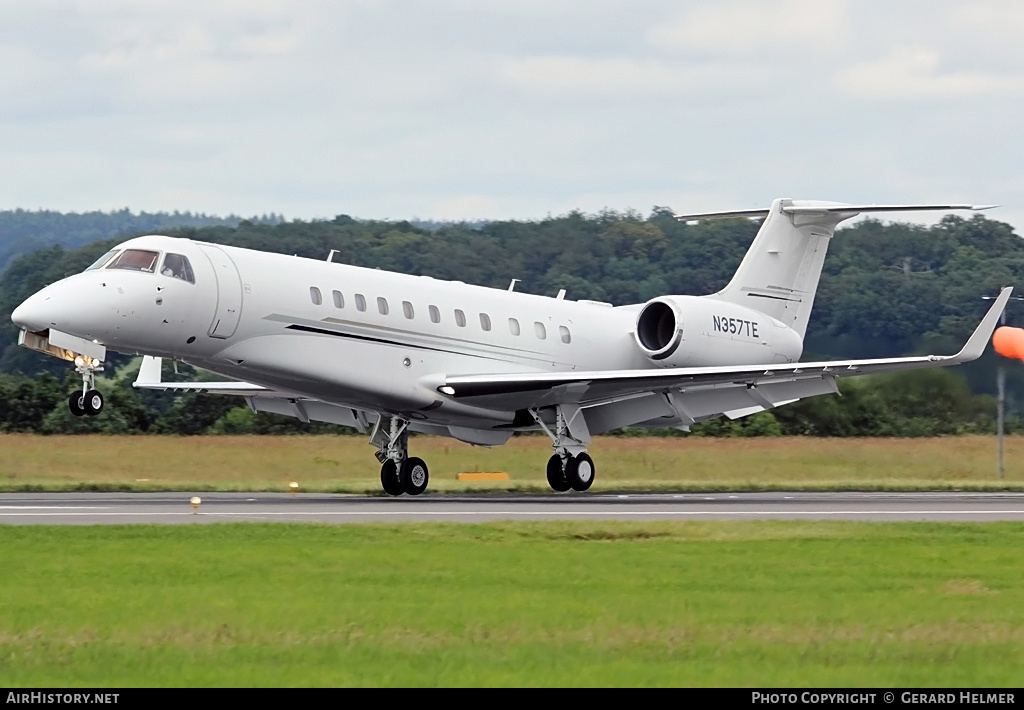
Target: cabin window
column 435, row 314
column 460, row 318
column 360, row 302
column 564, row 334
column 485, row 321
column 98, row 264
column 178, row 267
column 339, row 300
column 135, row 260
column 382, row 305
column 314, row 295
column 407, row 309
column 539, row 329
column 513, row 326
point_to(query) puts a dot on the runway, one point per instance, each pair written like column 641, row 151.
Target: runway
column 174, row 508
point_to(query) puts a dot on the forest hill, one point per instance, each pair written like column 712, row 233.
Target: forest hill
column 886, row 290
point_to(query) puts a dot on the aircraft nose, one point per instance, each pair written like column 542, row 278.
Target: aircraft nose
column 35, row 314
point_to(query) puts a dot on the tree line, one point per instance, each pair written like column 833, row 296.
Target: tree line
column 915, row 404
column 886, row 290
column 23, row 231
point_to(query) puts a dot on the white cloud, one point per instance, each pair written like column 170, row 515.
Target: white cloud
column 618, row 81
column 1003, row 19
column 510, row 108
column 614, row 77
column 22, row 72
column 151, row 56
column 470, row 207
column 914, row 72
column 753, row 26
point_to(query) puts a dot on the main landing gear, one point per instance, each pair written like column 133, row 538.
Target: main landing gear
column 566, row 471
column 89, row 401
column 570, row 467
column 398, row 472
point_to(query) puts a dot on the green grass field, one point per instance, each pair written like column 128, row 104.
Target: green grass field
column 544, row 604
column 346, row 464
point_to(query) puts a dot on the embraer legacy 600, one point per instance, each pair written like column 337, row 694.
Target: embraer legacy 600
column 391, row 353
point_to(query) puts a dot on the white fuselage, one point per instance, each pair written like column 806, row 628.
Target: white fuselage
column 375, row 340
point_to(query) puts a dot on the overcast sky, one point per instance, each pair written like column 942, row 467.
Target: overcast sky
column 460, row 109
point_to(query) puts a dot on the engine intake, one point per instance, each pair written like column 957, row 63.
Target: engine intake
column 659, row 329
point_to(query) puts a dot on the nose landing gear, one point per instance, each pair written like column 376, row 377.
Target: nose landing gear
column 89, row 401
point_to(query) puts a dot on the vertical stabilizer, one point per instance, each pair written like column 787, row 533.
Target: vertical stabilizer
column 779, row 273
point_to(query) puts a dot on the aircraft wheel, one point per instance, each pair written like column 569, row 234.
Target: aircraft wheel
column 579, row 472
column 413, row 475
column 93, row 403
column 76, row 403
column 556, row 476
column 389, row 479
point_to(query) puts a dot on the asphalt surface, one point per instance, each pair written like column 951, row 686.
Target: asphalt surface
column 126, row 508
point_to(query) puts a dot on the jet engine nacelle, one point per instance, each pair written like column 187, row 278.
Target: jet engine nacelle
column 692, row 331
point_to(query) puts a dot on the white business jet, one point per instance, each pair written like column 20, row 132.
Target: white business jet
column 391, row 353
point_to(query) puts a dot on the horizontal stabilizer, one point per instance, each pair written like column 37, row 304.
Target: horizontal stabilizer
column 751, row 214
column 809, row 207
column 860, row 209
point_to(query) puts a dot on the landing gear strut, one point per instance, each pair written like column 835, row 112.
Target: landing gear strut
column 398, row 472
column 571, row 466
column 89, row 401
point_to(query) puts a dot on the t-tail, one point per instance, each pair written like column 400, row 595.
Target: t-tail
column 779, row 273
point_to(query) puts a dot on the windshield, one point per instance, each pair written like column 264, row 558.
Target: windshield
column 135, row 260
column 102, row 260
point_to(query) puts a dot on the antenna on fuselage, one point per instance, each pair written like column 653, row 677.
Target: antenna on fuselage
column 512, row 286
column 561, row 294
column 330, row 257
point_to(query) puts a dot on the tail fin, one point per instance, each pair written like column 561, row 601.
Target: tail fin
column 779, row 273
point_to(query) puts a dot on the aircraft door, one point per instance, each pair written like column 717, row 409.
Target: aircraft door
column 229, row 293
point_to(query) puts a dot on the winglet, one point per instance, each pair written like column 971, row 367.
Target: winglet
column 978, row 341
column 150, row 372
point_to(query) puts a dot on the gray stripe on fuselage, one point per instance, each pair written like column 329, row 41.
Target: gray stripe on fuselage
column 468, row 347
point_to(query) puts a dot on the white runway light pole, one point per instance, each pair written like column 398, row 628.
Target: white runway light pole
column 1000, row 393
column 1001, row 402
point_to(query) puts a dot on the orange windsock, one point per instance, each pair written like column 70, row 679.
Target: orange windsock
column 1009, row 342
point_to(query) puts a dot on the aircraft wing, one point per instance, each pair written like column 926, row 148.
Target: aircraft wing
column 754, row 387
column 260, row 398
column 150, row 378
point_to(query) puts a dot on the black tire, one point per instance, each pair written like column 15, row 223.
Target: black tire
column 579, row 472
column 556, row 476
column 76, row 403
column 389, row 479
column 414, row 476
column 93, row 403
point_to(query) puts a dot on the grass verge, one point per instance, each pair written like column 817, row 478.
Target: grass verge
column 346, row 464
column 556, row 603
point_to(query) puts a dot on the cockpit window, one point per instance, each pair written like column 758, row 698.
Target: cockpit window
column 178, row 267
column 102, row 260
column 135, row 260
